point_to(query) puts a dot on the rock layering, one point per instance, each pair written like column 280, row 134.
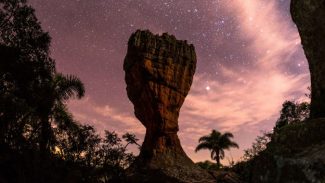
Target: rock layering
column 159, row 72
column 309, row 16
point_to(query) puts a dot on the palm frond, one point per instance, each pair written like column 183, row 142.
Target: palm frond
column 222, row 154
column 226, row 142
column 215, row 134
column 228, row 135
column 62, row 118
column 234, row 144
column 206, row 138
column 68, row 86
column 213, row 154
column 203, row 145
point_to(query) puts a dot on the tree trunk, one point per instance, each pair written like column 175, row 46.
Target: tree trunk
column 218, row 158
column 44, row 135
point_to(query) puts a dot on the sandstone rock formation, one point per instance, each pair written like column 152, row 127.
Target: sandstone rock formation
column 159, row 72
column 309, row 16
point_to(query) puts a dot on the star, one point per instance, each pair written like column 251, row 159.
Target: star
column 90, row 40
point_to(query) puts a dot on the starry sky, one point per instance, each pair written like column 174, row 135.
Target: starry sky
column 250, row 61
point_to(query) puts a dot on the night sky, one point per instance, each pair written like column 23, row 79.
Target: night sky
column 250, row 61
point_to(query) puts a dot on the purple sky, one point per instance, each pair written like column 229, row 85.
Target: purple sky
column 249, row 61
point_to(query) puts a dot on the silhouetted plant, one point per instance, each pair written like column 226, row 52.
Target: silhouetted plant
column 114, row 156
column 29, row 77
column 258, row 146
column 292, row 112
column 39, row 139
column 25, row 77
column 130, row 139
column 208, row 165
column 216, row 142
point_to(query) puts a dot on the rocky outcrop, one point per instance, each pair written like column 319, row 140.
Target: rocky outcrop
column 305, row 167
column 309, row 16
column 226, row 176
column 295, row 154
column 159, row 72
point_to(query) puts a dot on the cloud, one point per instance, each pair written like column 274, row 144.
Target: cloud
column 240, row 102
column 243, row 102
column 105, row 117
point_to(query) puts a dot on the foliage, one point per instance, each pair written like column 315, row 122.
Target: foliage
column 297, row 137
column 216, row 142
column 105, row 158
column 208, row 165
column 39, row 139
column 29, row 80
column 258, row 146
column 292, row 133
column 292, row 112
column 114, row 157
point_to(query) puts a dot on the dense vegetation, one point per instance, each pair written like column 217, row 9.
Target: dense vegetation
column 39, row 139
column 41, row 142
column 287, row 138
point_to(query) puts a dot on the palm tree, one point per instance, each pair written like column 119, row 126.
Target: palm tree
column 216, row 143
column 60, row 90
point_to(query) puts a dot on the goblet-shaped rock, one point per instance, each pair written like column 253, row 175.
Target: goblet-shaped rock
column 159, row 72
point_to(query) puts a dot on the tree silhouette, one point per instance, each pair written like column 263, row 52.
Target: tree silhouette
column 29, row 77
column 258, row 146
column 292, row 112
column 130, row 139
column 114, row 156
column 39, row 139
column 61, row 88
column 216, row 142
column 25, row 76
